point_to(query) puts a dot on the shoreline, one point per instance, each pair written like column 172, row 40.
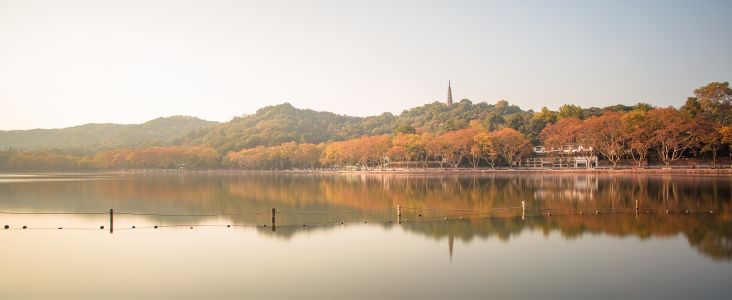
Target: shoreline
column 650, row 171
column 401, row 172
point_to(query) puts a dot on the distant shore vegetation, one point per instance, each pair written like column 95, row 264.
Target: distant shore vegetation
column 462, row 135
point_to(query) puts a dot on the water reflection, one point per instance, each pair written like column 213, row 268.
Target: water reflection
column 329, row 200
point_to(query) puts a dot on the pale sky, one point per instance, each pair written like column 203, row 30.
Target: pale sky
column 65, row 63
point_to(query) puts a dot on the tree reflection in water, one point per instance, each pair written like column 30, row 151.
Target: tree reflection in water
column 479, row 199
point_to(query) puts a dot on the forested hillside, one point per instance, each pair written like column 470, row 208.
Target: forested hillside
column 95, row 136
column 274, row 125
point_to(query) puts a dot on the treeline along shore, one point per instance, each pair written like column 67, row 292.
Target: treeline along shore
column 436, row 137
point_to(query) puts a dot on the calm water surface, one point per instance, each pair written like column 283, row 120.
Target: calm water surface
column 485, row 249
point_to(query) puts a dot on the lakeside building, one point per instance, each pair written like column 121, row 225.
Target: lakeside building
column 569, row 156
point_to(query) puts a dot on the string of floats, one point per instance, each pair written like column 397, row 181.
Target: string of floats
column 468, row 214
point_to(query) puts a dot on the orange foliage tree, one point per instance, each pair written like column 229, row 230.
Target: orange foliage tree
column 510, row 144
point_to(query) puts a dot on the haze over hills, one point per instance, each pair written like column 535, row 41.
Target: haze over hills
column 94, row 136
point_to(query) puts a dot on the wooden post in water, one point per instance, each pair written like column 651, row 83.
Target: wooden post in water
column 399, row 214
column 111, row 220
column 636, row 204
column 273, row 219
column 523, row 210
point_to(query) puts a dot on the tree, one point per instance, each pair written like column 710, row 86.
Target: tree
column 437, row 148
column 379, row 148
column 570, row 111
column 707, row 135
column 510, row 144
column 402, row 128
column 561, row 137
column 692, row 107
column 308, row 155
column 714, row 94
column 540, row 120
column 484, row 143
column 673, row 133
column 638, row 134
column 459, row 144
column 407, row 147
column 605, row 134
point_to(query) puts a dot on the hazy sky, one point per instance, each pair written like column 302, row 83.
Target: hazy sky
column 71, row 62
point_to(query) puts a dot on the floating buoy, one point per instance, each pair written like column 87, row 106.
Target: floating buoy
column 667, row 211
column 582, row 213
column 60, row 228
column 133, row 227
column 686, row 211
column 461, row 218
column 156, row 227
column 303, row 225
column 265, row 225
column 227, row 226
column 101, row 227
column 406, row 220
column 597, row 212
column 191, row 227
column 365, row 221
column 445, row 218
column 7, row 227
column 419, row 215
column 25, row 227
column 648, row 211
column 341, row 223
column 711, row 211
column 549, row 214
column 388, row 221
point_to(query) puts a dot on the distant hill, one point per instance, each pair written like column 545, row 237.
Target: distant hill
column 159, row 131
column 274, row 125
column 155, row 132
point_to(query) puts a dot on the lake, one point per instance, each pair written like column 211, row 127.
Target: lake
column 210, row 236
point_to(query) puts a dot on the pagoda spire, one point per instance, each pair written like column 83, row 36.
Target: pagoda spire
column 449, row 94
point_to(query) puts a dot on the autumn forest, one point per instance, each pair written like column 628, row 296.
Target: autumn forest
column 463, row 135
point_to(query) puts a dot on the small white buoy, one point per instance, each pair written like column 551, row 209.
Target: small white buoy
column 406, row 220
column 461, row 218
column 648, row 211
column 549, row 214
column 687, row 211
column 582, row 213
column 597, row 212
column 667, row 211
column 445, row 218
column 711, row 211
